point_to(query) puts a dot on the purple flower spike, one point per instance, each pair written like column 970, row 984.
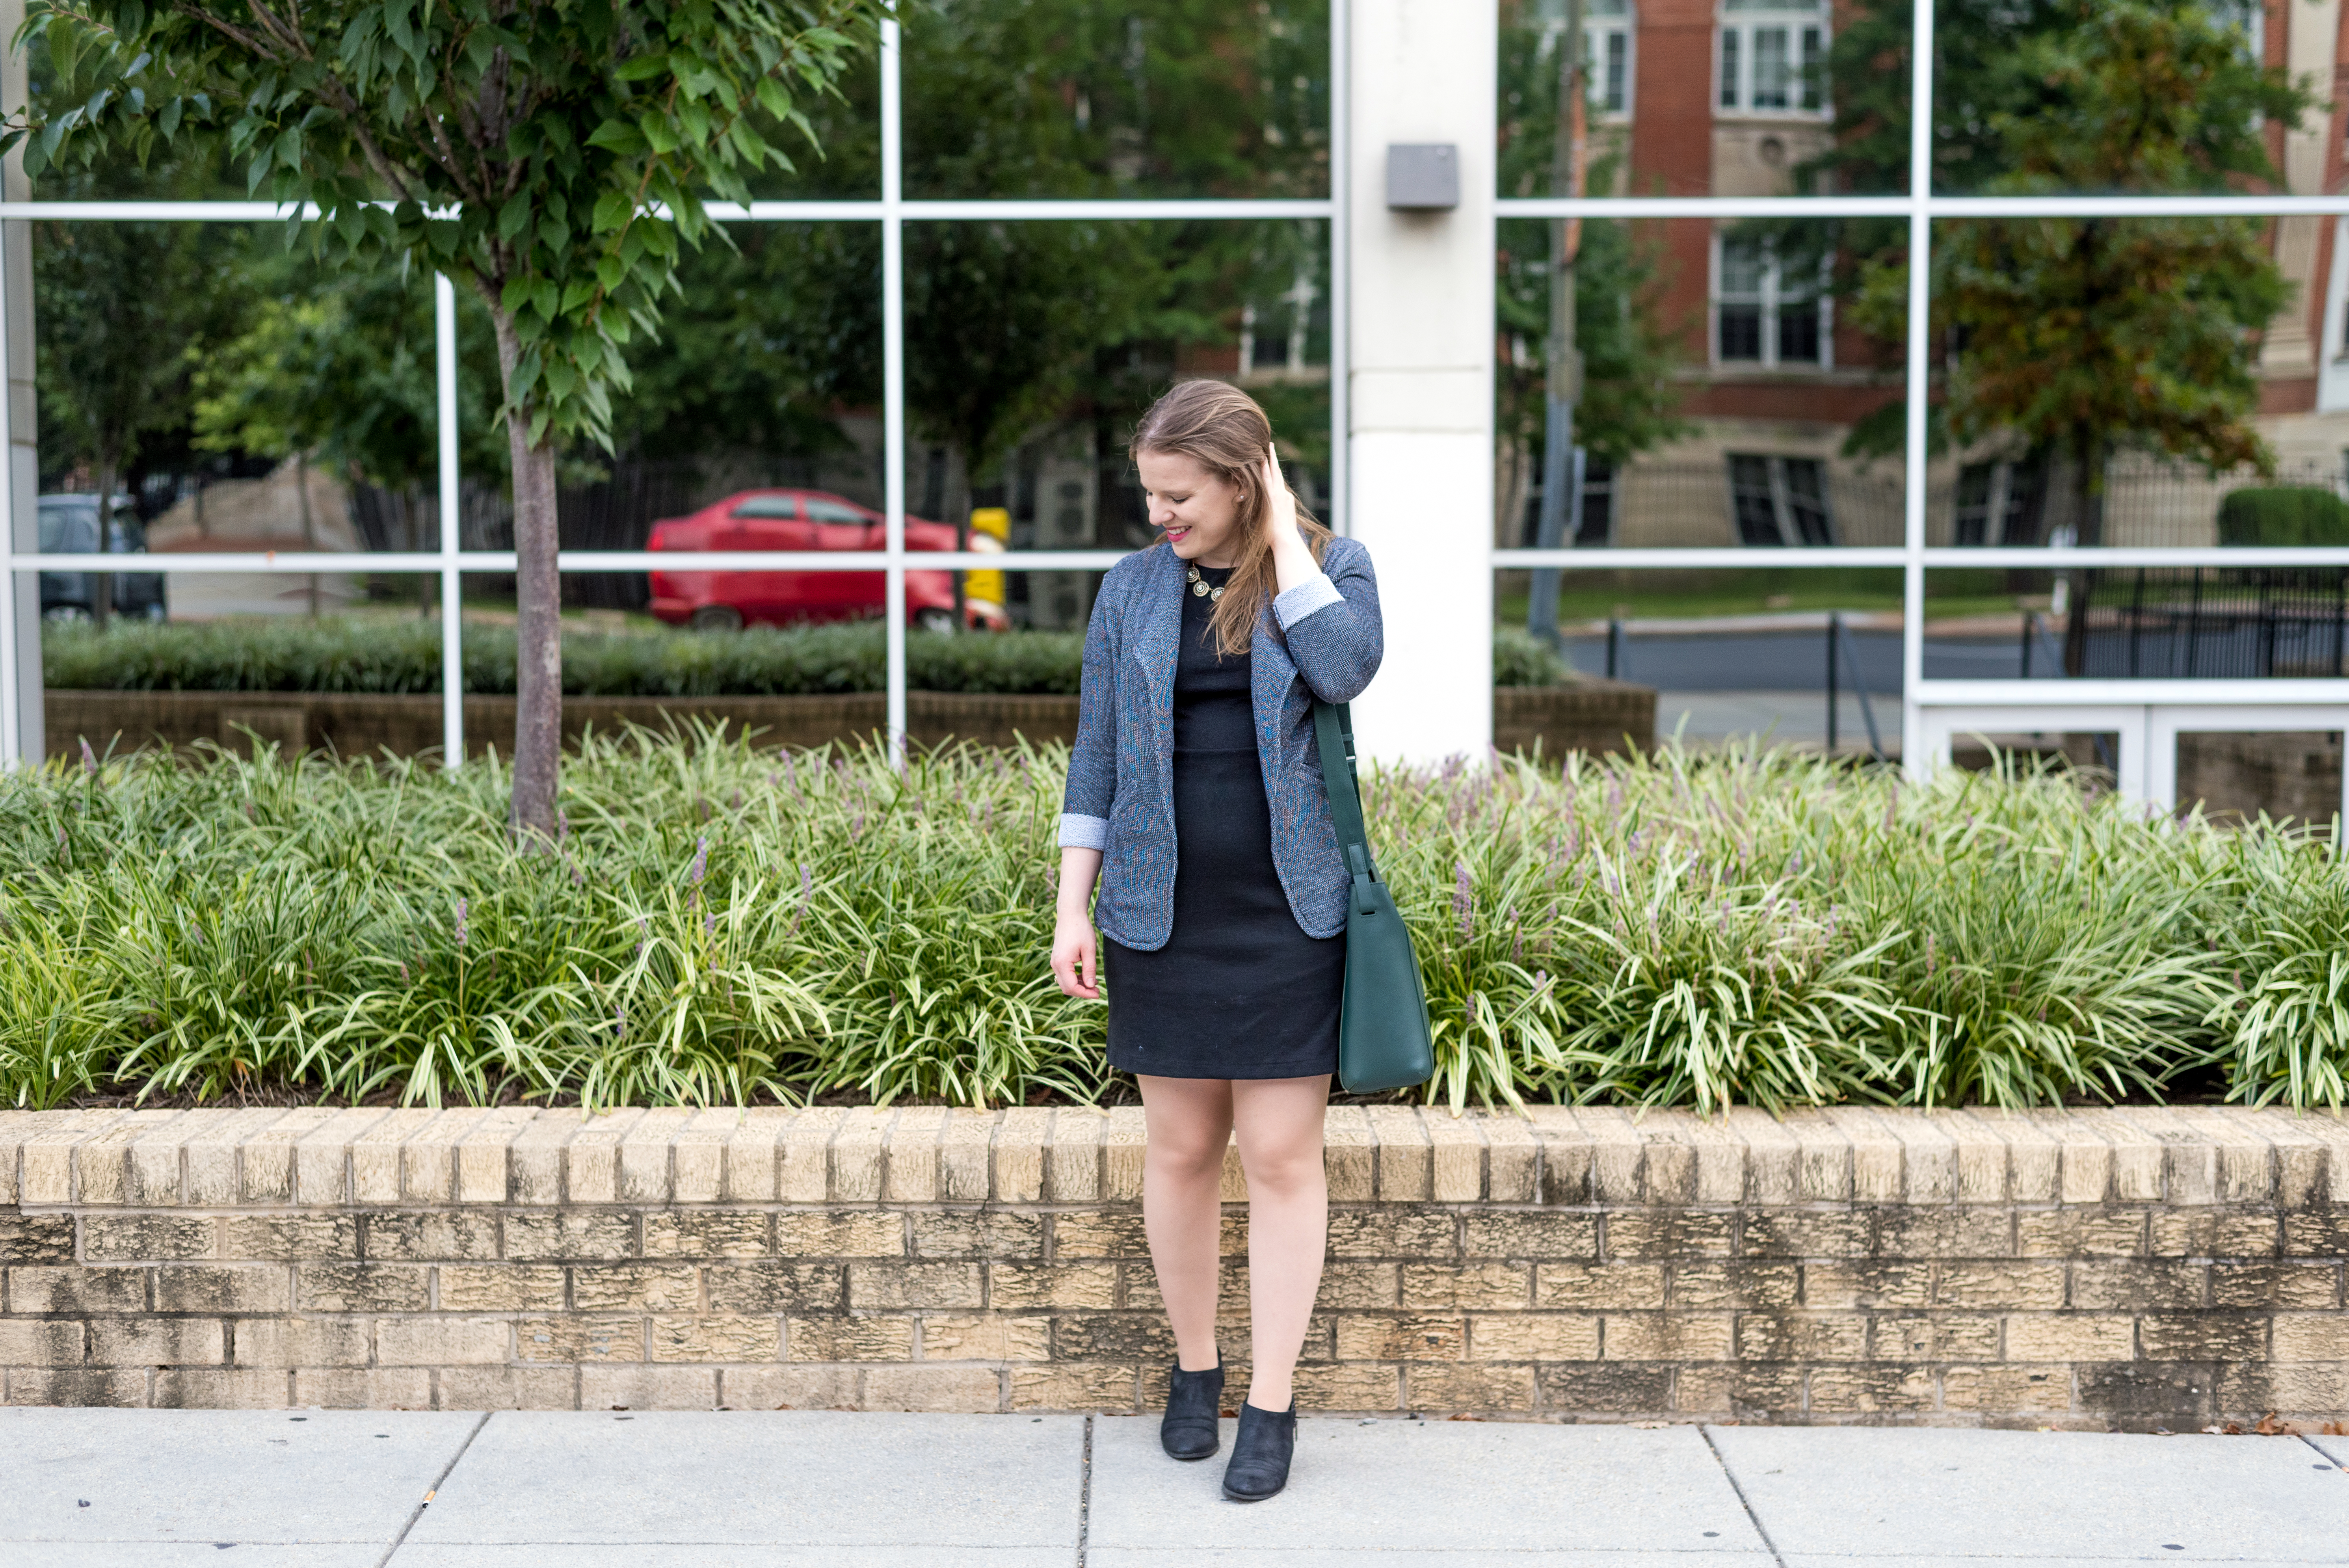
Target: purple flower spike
column 701, row 860
column 1463, row 903
column 461, row 922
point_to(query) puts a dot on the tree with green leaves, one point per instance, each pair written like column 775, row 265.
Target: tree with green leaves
column 554, row 157
column 2077, row 335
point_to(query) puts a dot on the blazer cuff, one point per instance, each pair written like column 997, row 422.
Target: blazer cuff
column 1082, row 832
column 1316, row 592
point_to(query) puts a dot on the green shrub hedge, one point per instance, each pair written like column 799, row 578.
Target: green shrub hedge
column 359, row 654
column 720, row 923
column 2284, row 515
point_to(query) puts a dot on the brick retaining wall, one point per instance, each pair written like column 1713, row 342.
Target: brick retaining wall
column 2132, row 1269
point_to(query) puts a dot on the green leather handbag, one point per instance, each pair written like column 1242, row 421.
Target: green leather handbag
column 1383, row 1040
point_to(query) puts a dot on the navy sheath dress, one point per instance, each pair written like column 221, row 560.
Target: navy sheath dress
column 1239, row 991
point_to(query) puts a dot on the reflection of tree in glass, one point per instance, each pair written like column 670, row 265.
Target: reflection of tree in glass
column 1628, row 400
column 337, row 371
column 1152, row 98
column 766, row 338
column 2076, row 335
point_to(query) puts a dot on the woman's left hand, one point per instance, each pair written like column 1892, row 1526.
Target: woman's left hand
column 1292, row 557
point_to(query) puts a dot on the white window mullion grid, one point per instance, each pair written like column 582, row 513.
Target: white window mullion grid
column 1921, row 207
column 892, row 211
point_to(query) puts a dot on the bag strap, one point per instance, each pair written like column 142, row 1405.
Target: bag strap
column 1333, row 729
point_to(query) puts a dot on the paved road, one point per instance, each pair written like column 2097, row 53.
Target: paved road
column 122, row 1489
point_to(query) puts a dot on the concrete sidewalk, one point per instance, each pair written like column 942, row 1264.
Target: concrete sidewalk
column 124, row 1489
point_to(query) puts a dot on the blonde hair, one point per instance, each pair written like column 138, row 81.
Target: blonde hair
column 1221, row 429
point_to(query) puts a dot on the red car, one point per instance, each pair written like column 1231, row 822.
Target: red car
column 800, row 520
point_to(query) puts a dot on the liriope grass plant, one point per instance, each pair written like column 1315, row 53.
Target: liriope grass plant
column 719, row 923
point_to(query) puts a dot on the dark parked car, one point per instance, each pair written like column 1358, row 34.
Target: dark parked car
column 800, row 520
column 69, row 527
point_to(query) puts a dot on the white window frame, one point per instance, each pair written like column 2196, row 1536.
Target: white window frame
column 1737, row 60
column 1771, row 298
column 20, row 676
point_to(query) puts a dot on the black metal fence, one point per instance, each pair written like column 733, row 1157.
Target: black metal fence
column 2208, row 623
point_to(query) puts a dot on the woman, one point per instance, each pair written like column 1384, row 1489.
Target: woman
column 1195, row 793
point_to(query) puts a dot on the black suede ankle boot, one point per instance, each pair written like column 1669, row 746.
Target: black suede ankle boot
column 1260, row 1453
column 1194, row 1399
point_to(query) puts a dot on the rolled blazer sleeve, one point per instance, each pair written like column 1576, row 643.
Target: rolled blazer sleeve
column 1093, row 762
column 1331, row 621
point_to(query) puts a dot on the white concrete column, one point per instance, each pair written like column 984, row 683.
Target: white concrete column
column 1419, row 319
column 23, row 473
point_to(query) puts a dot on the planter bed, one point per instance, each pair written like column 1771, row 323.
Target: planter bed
column 2135, row 1269
column 1594, row 715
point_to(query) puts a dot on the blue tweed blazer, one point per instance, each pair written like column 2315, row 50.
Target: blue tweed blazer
column 1121, row 795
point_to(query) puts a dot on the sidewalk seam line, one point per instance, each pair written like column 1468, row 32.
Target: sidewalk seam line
column 1743, row 1502
column 432, row 1491
column 1085, row 1497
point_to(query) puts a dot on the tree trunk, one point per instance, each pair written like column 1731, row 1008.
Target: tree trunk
column 538, row 626
column 2090, row 526
column 2092, row 492
column 1562, row 357
column 101, row 583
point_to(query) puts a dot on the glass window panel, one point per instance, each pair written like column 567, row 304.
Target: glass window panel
column 2178, row 98
column 1805, row 501
column 842, row 162
column 1032, row 348
column 2088, row 756
column 1152, row 98
column 2243, row 774
column 1800, row 338
column 1654, row 127
column 1743, row 261
column 1760, row 515
column 2197, row 413
column 1615, row 82
column 1741, row 333
column 1694, row 350
column 228, row 394
column 2171, row 623
column 1737, row 654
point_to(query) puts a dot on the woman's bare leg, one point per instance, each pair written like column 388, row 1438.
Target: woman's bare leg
column 1279, row 1121
column 1190, row 1125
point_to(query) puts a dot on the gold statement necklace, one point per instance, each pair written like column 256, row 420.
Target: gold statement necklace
column 1199, row 586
